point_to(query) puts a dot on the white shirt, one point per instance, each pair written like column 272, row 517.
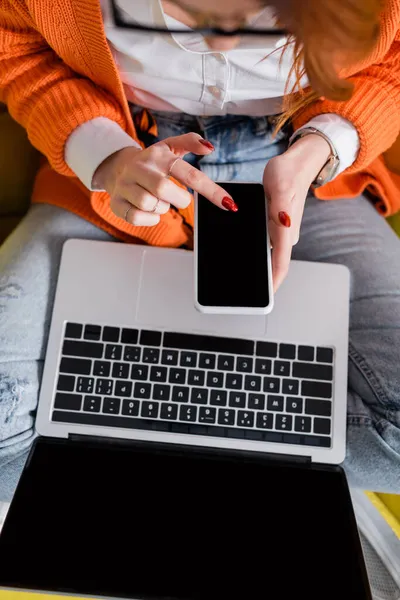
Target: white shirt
column 180, row 73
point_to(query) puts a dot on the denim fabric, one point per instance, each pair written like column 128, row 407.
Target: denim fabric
column 347, row 231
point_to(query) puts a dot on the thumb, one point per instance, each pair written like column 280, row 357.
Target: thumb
column 189, row 142
column 280, row 201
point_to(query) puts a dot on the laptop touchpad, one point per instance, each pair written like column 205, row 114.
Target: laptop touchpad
column 167, row 300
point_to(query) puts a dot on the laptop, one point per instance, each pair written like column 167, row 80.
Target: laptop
column 185, row 455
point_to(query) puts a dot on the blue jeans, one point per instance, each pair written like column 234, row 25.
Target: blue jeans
column 347, row 231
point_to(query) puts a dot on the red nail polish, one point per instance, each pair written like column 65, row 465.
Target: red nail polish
column 229, row 204
column 284, row 219
column 207, row 144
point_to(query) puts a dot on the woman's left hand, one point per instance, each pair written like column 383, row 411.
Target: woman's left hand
column 287, row 180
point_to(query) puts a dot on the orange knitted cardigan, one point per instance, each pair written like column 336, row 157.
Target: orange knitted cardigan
column 57, row 72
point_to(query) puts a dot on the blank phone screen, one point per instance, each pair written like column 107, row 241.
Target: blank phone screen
column 232, row 251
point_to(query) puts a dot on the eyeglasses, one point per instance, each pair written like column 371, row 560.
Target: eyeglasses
column 121, row 21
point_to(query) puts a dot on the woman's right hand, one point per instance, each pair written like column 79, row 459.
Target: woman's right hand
column 139, row 183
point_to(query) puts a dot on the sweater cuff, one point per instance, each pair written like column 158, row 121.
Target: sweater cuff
column 91, row 143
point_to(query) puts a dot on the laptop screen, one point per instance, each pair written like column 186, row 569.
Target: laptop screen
column 162, row 522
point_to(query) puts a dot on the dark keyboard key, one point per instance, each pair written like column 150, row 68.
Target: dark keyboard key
column 82, row 349
column 140, row 372
column 196, row 377
column 218, row 398
column 142, row 390
column 226, row 416
column 207, row 414
column 158, row 374
column 267, row 349
column 150, row 410
column 200, row 429
column 318, row 441
column 113, row 352
column 66, row 383
column 325, row 355
column 169, row 412
column 272, row 436
column 84, row 385
column 252, row 383
column 237, row 399
column 215, row 379
column 322, row 426
column 282, row 368
column 272, row 385
column 130, row 407
column 208, row 343
column 316, row 389
column 207, row 361
column 104, row 387
column 306, row 353
column 283, row 422
column 161, row 392
column 73, row 330
column 236, row 433
column 233, row 381
column 132, row 353
column 68, row 401
column 76, row 366
column 287, row 351
column 244, row 364
column 294, row 405
column 226, row 363
column 245, row 418
column 290, row 387
column 101, row 368
column 150, row 338
column 275, row 403
column 129, row 336
column 256, row 401
column 188, row 413
column 199, row 396
column 151, row 355
column 322, row 408
column 123, row 389
column 180, row 393
column 253, row 434
column 92, row 332
column 169, row 357
column 111, row 406
column 312, row 371
column 120, row 370
column 177, row 376
column 179, row 427
column 188, row 359
column 92, row 404
column 263, row 366
column 110, row 334
column 265, row 420
column 302, row 424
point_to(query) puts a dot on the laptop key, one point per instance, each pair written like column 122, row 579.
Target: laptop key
column 177, row 376
column 113, row 352
column 73, row 330
column 196, row 377
column 237, row 399
column 110, row 334
column 325, row 355
column 312, row 371
column 120, row 370
column 275, row 403
column 161, row 392
column 111, row 406
column 66, row 383
column 226, row 363
column 132, row 353
column 306, row 353
column 245, row 418
column 226, row 416
column 215, row 379
column 123, row 389
column 92, row 404
column 302, row 424
column 151, row 355
column 265, row 420
column 158, row 374
column 76, row 366
column 283, row 422
column 188, row 359
column 282, row 368
column 207, row 414
column 256, row 401
column 244, row 364
column 150, row 338
column 218, row 397
column 263, row 366
column 169, row 357
column 83, row 349
column 104, row 387
column 252, row 383
column 199, row 396
column 322, row 426
column 130, row 407
column 68, row 401
column 101, row 368
column 316, row 440
column 92, row 332
column 142, row 390
column 129, row 336
column 321, row 408
column 233, row 381
column 316, row 389
column 287, row 351
column 207, row 361
column 294, row 405
column 139, row 372
column 169, row 412
column 180, row 393
column 188, row 413
column 208, row 343
column 267, row 349
column 272, row 385
column 150, row 410
column 85, row 385
column 290, row 387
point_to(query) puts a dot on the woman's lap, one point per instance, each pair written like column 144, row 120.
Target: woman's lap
column 349, row 232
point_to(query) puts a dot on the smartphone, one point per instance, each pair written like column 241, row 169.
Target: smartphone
column 233, row 273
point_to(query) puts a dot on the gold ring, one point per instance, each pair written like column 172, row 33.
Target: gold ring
column 172, row 166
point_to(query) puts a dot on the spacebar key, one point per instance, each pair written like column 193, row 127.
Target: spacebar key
column 208, row 343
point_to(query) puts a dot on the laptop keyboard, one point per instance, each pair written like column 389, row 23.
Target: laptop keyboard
column 196, row 384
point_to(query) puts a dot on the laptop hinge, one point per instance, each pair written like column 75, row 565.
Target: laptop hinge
column 232, row 452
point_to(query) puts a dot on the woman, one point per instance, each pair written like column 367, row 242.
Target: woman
column 79, row 81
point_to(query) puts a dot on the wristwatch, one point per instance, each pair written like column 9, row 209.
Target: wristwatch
column 328, row 171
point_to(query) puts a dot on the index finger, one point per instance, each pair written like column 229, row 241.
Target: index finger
column 198, row 181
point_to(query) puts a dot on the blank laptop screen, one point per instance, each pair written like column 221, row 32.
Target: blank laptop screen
column 147, row 522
